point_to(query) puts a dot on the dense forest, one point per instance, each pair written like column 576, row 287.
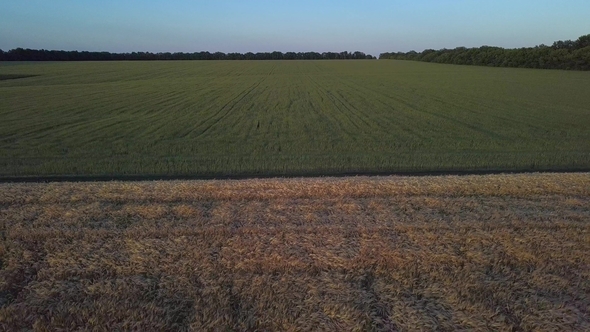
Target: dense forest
column 20, row 54
column 573, row 55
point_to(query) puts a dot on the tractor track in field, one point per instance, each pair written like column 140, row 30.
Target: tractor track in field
column 228, row 107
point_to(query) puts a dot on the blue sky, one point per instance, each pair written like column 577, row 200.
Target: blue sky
column 294, row 25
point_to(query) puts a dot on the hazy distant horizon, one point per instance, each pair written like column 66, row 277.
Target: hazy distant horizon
column 257, row 26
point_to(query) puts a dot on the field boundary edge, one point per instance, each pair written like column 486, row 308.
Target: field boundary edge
column 165, row 177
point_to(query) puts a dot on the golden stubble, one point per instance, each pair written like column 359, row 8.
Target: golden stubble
column 497, row 252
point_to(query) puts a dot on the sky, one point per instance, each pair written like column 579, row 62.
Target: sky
column 369, row 26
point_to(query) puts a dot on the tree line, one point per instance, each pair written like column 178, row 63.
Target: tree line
column 21, row 54
column 570, row 55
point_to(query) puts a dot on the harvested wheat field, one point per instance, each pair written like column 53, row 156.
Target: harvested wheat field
column 486, row 253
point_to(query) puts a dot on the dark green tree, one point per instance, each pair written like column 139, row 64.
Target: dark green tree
column 583, row 41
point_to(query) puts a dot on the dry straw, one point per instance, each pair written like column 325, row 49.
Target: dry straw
column 499, row 252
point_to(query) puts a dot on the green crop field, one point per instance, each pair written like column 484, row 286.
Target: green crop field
column 210, row 118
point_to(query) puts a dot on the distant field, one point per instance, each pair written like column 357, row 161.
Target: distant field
column 473, row 253
column 288, row 118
